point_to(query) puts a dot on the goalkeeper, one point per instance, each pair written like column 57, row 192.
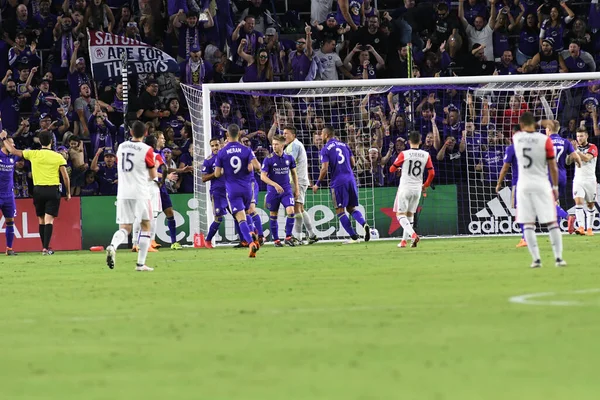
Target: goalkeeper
column 296, row 149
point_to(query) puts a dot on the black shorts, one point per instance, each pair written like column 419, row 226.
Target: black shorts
column 46, row 200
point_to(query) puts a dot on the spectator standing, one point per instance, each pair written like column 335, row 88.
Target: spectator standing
column 359, row 66
column 546, row 61
column 191, row 32
column 554, row 27
column 10, row 104
column 259, row 68
column 194, row 71
column 371, row 36
column 300, row 60
column 176, row 120
column 481, row 32
column 473, row 9
column 21, row 53
column 106, row 171
column 528, row 43
column 329, row 29
column 506, row 65
column 22, row 23
column 351, row 13
column 329, row 62
column 150, row 106
column 46, row 21
column 84, row 107
column 22, row 179
column 262, row 16
column 77, row 75
column 98, row 16
column 577, row 60
column 252, row 41
column 102, row 131
column 64, row 42
column 46, row 166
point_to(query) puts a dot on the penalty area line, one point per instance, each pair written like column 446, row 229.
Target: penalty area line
column 537, row 299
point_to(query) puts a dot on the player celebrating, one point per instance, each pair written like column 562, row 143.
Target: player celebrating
column 7, row 196
column 236, row 163
column 535, row 196
column 254, row 221
column 276, row 171
column 337, row 159
column 296, row 149
column 411, row 184
column 217, row 191
column 136, row 166
column 584, row 184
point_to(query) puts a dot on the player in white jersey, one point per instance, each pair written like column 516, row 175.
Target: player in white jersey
column 535, row 195
column 135, row 163
column 584, row 183
column 414, row 163
column 296, row 149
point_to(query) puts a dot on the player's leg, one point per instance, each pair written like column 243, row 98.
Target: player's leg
column 546, row 214
column 219, row 202
column 526, row 216
column 272, row 204
column 242, row 202
column 135, row 235
column 156, row 210
column 578, row 195
column 522, row 242
column 257, row 222
column 356, row 214
column 287, row 199
column 251, row 209
column 125, row 219
column 153, row 222
column 167, row 206
column 299, row 220
column 144, row 241
column 9, row 211
column 590, row 214
column 413, row 205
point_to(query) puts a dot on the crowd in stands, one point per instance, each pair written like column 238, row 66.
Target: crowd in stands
column 47, row 84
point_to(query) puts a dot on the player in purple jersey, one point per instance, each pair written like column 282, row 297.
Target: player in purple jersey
column 217, row 191
column 565, row 155
column 276, row 171
column 337, row 159
column 255, row 224
column 237, row 163
column 510, row 161
column 7, row 197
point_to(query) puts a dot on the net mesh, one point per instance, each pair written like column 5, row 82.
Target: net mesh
column 465, row 128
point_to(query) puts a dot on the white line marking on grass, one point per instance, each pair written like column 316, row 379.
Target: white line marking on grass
column 530, row 299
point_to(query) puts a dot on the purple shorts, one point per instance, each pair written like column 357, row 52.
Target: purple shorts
column 165, row 199
column 345, row 195
column 274, row 199
column 239, row 201
column 219, row 203
column 8, row 207
column 254, row 186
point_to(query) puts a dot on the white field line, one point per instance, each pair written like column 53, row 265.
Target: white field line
column 531, row 299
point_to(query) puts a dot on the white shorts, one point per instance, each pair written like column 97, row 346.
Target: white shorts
column 128, row 210
column 407, row 201
column 155, row 201
column 532, row 205
column 586, row 190
column 301, row 194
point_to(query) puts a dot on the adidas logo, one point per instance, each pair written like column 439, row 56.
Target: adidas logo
column 497, row 216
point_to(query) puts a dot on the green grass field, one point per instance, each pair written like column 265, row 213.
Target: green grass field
column 320, row 322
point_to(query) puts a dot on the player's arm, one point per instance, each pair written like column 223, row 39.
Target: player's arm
column 344, row 6
column 296, row 188
column 574, row 158
column 265, row 178
column 503, row 173
column 66, row 180
column 430, row 174
column 552, row 166
column 9, row 145
column 254, row 165
column 218, row 172
column 322, row 175
column 352, row 162
column 151, row 165
column 397, row 163
column 585, row 157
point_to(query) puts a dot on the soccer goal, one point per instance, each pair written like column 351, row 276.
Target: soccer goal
column 474, row 116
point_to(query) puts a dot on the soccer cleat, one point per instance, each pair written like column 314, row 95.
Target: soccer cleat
column 402, row 244
column 176, row 246
column 155, row 245
column 152, row 250
column 135, row 248
column 143, row 268
column 415, row 240
column 261, row 240
column 313, row 239
column 110, row 256
column 240, row 245
column 208, row 245
column 297, row 241
column 253, row 249
column 560, row 263
column 580, row 231
column 47, row 252
column 351, row 241
column 571, row 224
column 589, row 232
column 289, row 241
column 10, row 252
column 367, row 232
column 277, row 243
column 536, row 264
column 255, row 239
column 522, row 243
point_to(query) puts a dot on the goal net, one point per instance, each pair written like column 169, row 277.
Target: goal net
column 465, row 122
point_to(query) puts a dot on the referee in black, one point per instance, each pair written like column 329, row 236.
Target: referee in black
column 45, row 167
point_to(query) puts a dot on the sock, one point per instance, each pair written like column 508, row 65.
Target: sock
column 531, row 239
column 10, row 233
column 405, row 223
column 308, row 223
column 118, row 238
column 522, row 231
column 405, row 234
column 245, row 232
column 590, row 217
column 214, row 228
column 358, row 217
column 144, row 244
column 273, row 226
column 298, row 226
column 562, row 214
column 250, row 223
column 580, row 216
column 48, row 235
column 172, row 229
column 41, row 230
column 555, row 240
column 345, row 221
column 135, row 233
column 236, row 225
column 153, row 229
column 257, row 223
column 289, row 225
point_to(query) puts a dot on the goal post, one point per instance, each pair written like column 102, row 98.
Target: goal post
column 360, row 111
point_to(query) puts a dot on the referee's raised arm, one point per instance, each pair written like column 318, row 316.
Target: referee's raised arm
column 46, row 165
